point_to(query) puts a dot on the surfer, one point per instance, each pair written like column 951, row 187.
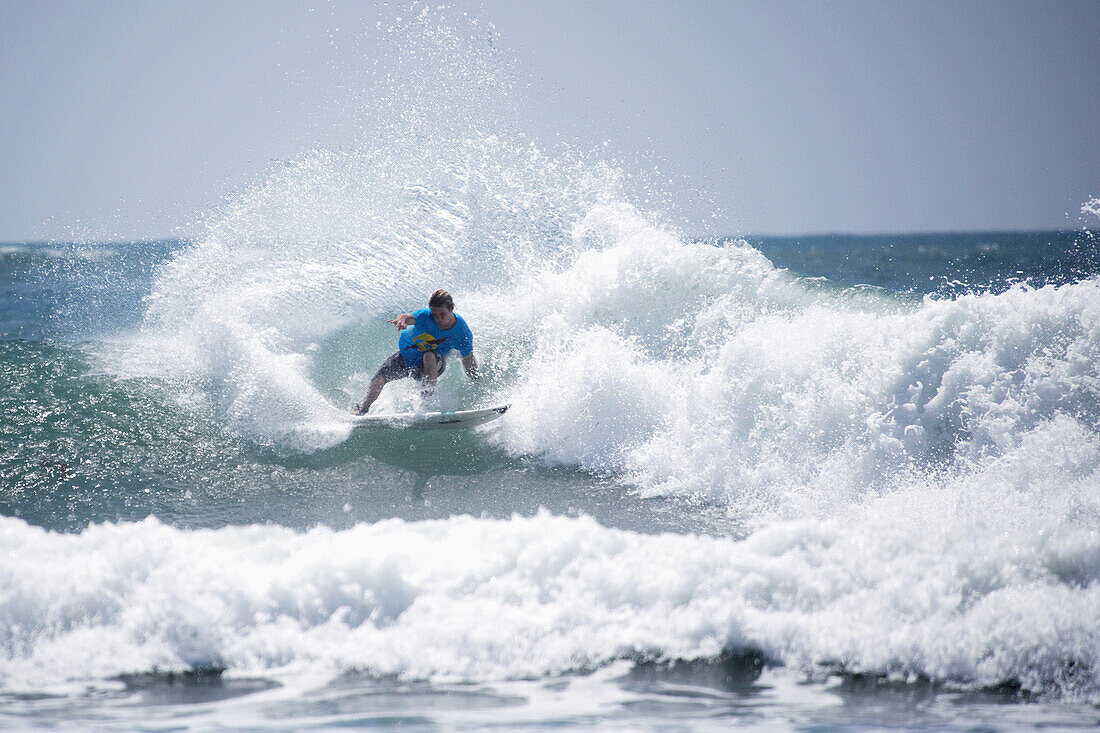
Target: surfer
column 436, row 330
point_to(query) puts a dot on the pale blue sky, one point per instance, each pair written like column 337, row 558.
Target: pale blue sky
column 125, row 120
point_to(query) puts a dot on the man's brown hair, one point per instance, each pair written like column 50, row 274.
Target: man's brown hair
column 441, row 299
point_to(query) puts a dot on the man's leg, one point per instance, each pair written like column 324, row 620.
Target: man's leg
column 376, row 386
column 431, row 367
column 393, row 368
column 429, row 375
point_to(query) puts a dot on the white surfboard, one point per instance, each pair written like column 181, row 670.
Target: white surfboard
column 433, row 420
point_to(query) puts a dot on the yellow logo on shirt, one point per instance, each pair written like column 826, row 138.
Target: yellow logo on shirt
column 426, row 342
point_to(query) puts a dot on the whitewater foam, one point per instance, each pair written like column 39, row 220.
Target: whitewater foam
column 467, row 599
column 704, row 371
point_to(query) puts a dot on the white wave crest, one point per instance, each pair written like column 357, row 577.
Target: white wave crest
column 703, row 371
column 466, row 599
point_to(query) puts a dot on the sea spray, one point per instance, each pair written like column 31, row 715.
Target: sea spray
column 438, row 189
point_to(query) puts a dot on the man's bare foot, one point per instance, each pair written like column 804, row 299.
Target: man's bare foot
column 429, row 400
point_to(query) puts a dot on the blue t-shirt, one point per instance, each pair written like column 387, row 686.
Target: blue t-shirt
column 426, row 335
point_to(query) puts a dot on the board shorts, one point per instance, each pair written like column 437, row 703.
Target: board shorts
column 396, row 368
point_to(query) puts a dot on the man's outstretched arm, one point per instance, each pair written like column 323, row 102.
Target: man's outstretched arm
column 405, row 319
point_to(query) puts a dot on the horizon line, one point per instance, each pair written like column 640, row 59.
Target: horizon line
column 768, row 235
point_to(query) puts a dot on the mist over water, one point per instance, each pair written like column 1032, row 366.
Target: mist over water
column 731, row 457
column 438, row 190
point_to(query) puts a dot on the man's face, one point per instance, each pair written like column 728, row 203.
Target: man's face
column 443, row 316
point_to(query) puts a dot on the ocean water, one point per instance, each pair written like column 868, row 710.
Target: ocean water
column 819, row 483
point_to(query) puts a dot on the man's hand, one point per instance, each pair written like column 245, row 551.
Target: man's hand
column 401, row 321
column 469, row 363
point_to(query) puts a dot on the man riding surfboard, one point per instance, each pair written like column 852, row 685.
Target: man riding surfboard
column 421, row 349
